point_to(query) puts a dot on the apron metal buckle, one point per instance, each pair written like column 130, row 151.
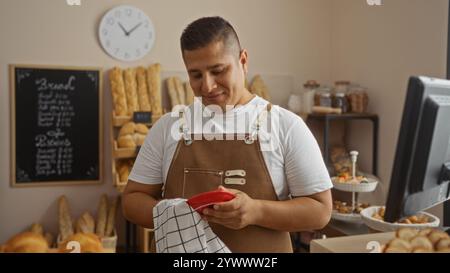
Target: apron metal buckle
column 248, row 139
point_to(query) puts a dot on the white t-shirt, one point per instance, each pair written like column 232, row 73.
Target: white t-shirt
column 293, row 157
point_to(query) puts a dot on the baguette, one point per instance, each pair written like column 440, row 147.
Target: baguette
column 189, row 93
column 259, row 87
column 102, row 214
column 154, row 88
column 180, row 90
column 131, row 91
column 173, row 93
column 118, row 92
column 65, row 220
column 85, row 223
column 111, row 218
column 144, row 102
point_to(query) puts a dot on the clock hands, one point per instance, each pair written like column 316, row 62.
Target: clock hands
column 134, row 28
column 126, row 32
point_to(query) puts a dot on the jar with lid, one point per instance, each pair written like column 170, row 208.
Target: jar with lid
column 341, row 86
column 340, row 101
column 322, row 90
column 325, row 99
column 308, row 95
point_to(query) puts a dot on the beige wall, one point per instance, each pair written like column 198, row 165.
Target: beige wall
column 284, row 37
column 380, row 47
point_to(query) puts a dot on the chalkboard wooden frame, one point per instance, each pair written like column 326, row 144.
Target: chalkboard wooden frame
column 12, row 83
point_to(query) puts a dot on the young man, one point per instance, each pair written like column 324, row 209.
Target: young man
column 282, row 189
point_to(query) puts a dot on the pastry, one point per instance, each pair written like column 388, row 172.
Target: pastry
column 142, row 90
column 409, row 240
column 118, row 92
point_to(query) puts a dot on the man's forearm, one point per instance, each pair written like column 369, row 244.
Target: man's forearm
column 299, row 214
column 138, row 208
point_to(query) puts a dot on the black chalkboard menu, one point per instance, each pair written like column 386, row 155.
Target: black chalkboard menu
column 56, row 125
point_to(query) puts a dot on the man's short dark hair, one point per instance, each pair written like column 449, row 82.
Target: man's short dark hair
column 206, row 30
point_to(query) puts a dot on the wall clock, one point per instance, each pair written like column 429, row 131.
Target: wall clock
column 126, row 33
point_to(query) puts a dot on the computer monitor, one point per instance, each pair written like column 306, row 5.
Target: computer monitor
column 421, row 172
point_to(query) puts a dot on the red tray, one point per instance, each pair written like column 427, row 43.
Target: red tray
column 207, row 199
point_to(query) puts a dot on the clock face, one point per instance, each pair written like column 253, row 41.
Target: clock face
column 126, row 33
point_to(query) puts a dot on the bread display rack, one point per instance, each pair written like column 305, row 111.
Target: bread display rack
column 368, row 184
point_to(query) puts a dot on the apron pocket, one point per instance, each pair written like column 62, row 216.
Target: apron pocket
column 196, row 181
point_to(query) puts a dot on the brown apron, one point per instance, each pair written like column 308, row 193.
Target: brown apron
column 202, row 165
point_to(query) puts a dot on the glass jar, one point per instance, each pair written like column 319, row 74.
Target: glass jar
column 340, row 101
column 341, row 86
column 309, row 95
column 325, row 99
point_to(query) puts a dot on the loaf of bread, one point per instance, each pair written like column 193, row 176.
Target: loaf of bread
column 111, row 217
column 37, row 228
column 142, row 90
column 89, row 243
column 189, row 93
column 85, row 223
column 126, row 141
column 118, row 92
column 102, row 216
column 139, row 139
column 132, row 135
column 65, row 219
column 127, row 129
column 180, row 90
column 154, row 88
column 259, row 88
column 172, row 92
column 131, row 90
column 141, row 128
column 27, row 242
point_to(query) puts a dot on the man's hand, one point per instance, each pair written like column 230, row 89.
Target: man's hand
column 234, row 214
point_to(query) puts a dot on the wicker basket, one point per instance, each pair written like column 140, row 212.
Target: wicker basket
column 358, row 100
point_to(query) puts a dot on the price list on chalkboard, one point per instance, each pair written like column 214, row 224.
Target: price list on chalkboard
column 56, row 116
